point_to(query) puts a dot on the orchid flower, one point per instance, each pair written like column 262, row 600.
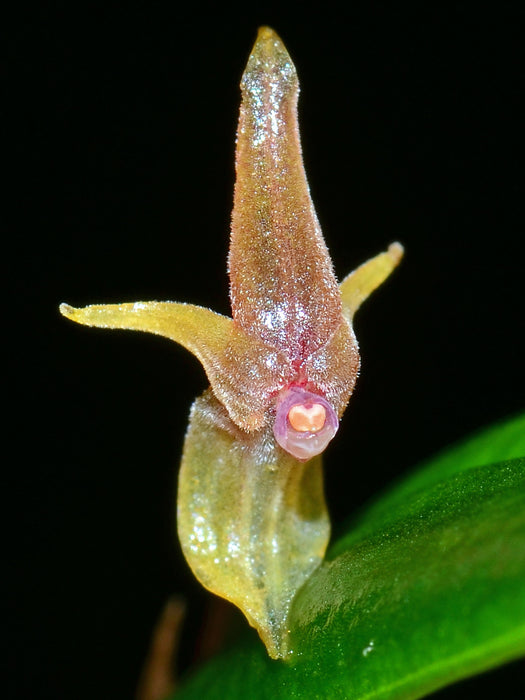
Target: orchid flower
column 251, row 515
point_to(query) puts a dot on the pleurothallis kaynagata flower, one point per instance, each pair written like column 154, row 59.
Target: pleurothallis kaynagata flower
column 251, row 514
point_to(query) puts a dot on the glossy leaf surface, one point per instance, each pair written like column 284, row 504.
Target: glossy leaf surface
column 431, row 592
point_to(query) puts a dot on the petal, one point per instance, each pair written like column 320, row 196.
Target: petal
column 359, row 284
column 243, row 372
column 251, row 519
column 283, row 288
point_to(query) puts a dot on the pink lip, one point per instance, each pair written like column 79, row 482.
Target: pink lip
column 304, row 444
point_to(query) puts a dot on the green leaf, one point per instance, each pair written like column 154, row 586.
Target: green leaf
column 428, row 588
column 497, row 443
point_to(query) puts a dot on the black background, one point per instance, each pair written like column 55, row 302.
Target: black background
column 121, row 124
